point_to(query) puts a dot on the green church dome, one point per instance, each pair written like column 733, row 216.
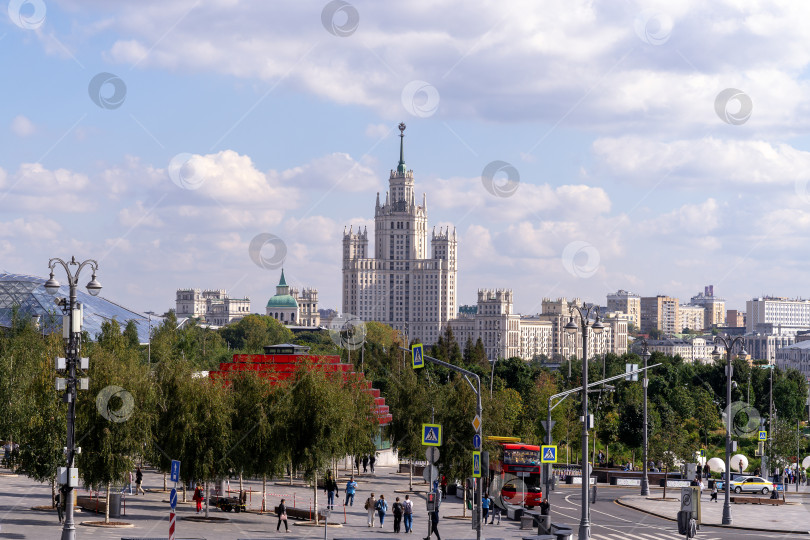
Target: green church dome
column 282, row 301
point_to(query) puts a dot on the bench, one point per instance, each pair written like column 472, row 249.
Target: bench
column 756, row 500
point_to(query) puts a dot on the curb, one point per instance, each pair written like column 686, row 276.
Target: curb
column 719, row 526
column 110, row 525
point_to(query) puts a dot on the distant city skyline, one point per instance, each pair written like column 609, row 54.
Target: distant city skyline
column 578, row 148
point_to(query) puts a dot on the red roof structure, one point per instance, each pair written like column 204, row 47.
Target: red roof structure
column 280, row 362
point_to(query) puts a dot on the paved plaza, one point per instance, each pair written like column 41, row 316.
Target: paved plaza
column 149, row 514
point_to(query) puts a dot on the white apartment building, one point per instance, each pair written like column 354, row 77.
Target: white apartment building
column 691, row 316
column 212, row 306
column 691, row 350
column 771, row 315
column 628, row 303
column 796, row 356
column 765, row 346
column 506, row 334
column 401, row 285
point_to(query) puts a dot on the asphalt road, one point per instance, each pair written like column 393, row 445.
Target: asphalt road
column 610, row 521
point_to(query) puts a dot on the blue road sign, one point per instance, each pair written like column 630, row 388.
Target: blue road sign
column 175, row 474
column 417, row 355
column 548, row 453
column 763, row 435
column 173, row 498
column 431, row 435
column 476, row 472
column 477, row 441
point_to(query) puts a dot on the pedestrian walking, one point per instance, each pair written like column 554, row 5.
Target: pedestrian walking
column 198, row 497
column 434, row 520
column 61, row 500
column 351, row 487
column 382, row 508
column 371, row 461
column 138, row 481
column 370, row 506
column 714, row 492
column 407, row 513
column 485, row 507
column 444, row 486
column 330, row 487
column 397, row 509
column 496, row 511
column 281, row 512
column 365, row 464
column 357, row 463
column 706, row 470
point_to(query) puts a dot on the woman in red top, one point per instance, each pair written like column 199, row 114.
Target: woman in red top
column 198, row 497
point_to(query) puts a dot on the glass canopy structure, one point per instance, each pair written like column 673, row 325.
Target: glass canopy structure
column 28, row 294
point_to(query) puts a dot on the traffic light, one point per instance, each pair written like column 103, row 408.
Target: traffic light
column 431, row 501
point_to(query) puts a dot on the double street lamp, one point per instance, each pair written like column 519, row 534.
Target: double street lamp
column 728, row 344
column 72, row 335
column 645, row 481
column 571, row 328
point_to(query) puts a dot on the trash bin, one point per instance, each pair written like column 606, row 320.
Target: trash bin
column 115, row 505
column 554, row 484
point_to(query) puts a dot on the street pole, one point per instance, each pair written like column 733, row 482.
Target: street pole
column 476, row 388
column 728, row 344
column 645, row 481
column 797, row 456
column 492, row 374
column 72, row 348
column 571, row 328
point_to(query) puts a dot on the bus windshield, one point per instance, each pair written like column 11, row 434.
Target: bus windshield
column 521, row 456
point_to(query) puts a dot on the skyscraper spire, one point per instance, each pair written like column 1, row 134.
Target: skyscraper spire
column 401, row 165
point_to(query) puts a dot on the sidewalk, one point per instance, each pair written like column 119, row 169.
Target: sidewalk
column 149, row 513
column 792, row 517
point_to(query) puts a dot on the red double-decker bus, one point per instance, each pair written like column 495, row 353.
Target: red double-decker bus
column 520, row 474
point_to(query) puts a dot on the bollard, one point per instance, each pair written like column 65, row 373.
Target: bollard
column 344, row 512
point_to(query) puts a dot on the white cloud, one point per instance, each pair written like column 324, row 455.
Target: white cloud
column 704, row 162
column 22, row 126
column 36, row 229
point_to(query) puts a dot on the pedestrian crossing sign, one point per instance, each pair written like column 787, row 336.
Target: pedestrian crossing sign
column 431, row 435
column 763, row 435
column 476, row 472
column 548, row 453
column 417, row 356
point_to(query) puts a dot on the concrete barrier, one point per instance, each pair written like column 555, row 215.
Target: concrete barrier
column 614, row 481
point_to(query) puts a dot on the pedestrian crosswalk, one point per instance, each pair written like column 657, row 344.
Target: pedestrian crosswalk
column 643, row 533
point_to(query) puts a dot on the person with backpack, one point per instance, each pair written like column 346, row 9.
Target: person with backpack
column 370, row 506
column 351, row 487
column 382, row 508
column 198, row 497
column 281, row 512
column 407, row 513
column 397, row 508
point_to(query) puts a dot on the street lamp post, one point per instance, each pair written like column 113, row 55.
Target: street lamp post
column 728, row 344
column 645, row 481
column 72, row 348
column 571, row 328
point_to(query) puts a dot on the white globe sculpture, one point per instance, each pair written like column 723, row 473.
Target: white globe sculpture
column 738, row 459
column 806, row 462
column 717, row 465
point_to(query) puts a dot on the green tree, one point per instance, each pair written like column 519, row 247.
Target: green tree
column 114, row 418
column 253, row 332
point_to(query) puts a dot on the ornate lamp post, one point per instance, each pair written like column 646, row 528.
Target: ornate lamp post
column 72, row 347
column 645, row 481
column 728, row 344
column 597, row 327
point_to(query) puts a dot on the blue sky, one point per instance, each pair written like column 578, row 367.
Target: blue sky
column 629, row 175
